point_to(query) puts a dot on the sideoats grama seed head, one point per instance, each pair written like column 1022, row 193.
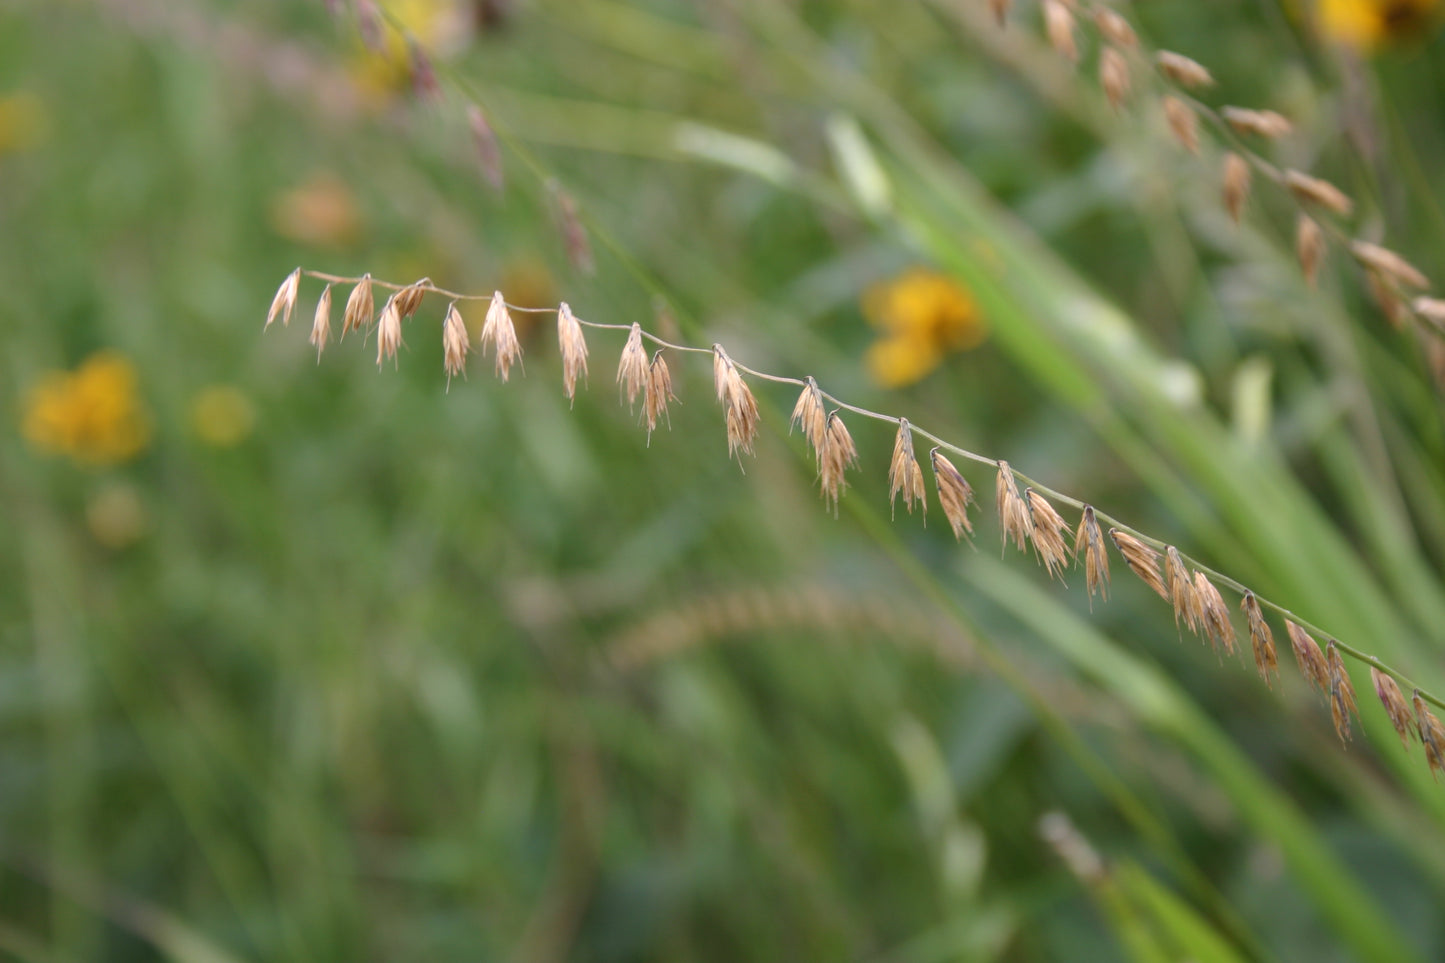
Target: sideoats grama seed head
column 1390, row 696
column 1182, row 70
column 1261, row 123
column 810, row 416
column 904, row 474
column 360, row 307
column 1059, row 25
column 1236, row 185
column 839, row 454
column 572, row 345
column 740, row 408
column 500, row 335
column 1089, row 545
column 658, row 393
column 408, row 299
column 1321, row 193
column 321, row 323
column 285, row 299
column 632, row 366
column 1142, row 560
column 954, row 494
column 455, row 343
column 1182, row 594
column 1214, row 614
column 1342, row 692
column 1183, row 123
column 1114, row 77
column 1115, row 28
column 1432, row 734
column 1307, row 654
column 1049, row 534
column 1261, row 639
column 1388, row 263
column 1013, row 513
column 388, row 332
column 1309, row 246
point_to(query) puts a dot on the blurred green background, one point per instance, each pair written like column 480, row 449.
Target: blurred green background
column 300, row 660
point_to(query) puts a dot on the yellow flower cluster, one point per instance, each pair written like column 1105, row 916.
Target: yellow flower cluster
column 921, row 316
column 93, row 414
column 1366, row 24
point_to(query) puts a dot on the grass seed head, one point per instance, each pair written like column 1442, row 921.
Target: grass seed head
column 321, row 323
column 572, row 345
column 1390, row 696
column 499, row 334
column 1089, row 544
column 1059, row 25
column 740, row 408
column 1000, row 10
column 1115, row 28
column 455, row 343
column 574, row 235
column 1114, row 77
column 632, row 367
column 1182, row 594
column 1431, row 310
column 1342, row 693
column 1307, row 654
column 1050, row 534
column 1215, row 615
column 1182, row 70
column 285, row 299
column 1183, row 123
column 408, row 299
column 1387, row 298
column 1261, row 639
column 1261, row 123
column 1013, row 513
column 489, row 155
column 1432, row 734
column 839, row 454
column 1309, row 247
column 423, row 75
column 810, row 416
column 388, row 332
column 904, row 474
column 360, row 307
column 954, row 494
column 1142, row 560
column 1321, row 193
column 1388, row 263
column 658, row 393
column 1236, row 185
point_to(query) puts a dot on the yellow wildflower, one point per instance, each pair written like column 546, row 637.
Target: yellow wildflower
column 222, row 416
column 922, row 316
column 440, row 26
column 23, row 123
column 93, row 414
column 1366, row 24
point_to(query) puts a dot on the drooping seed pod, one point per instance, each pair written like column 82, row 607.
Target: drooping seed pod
column 1261, row 639
column 1142, row 560
column 388, row 332
column 740, row 408
column 1307, row 653
column 955, row 494
column 1309, row 246
column 285, row 300
column 1214, row 616
column 1115, row 29
column 1182, row 595
column 1013, row 513
column 499, row 334
column 1321, row 193
column 811, row 417
column 455, row 343
column 1388, row 263
column 1261, row 123
column 1089, row 545
column 1182, row 70
column 1393, row 701
column 1342, row 693
column 904, row 474
column 321, row 323
column 360, row 307
column 1183, row 124
column 658, row 393
column 574, row 234
column 489, row 153
column 1059, row 25
column 423, row 76
column 839, row 454
column 1432, row 734
column 368, row 25
column 632, row 366
column 1050, row 534
column 1114, row 77
column 1387, row 298
column 408, row 299
column 1431, row 310
column 1236, row 185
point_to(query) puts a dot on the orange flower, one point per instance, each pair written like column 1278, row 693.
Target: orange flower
column 93, row 414
column 922, row 316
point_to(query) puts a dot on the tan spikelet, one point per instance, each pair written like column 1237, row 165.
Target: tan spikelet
column 1182, row 70
column 388, row 332
column 904, row 474
column 1000, row 10
column 1182, row 594
column 1236, row 185
column 1432, row 734
column 1215, row 615
column 1261, row 640
column 1388, row 263
column 811, row 417
column 1342, row 692
column 1114, row 77
column 1309, row 247
column 1260, row 123
column 658, row 393
column 1307, row 654
column 1059, row 25
column 1387, row 298
column 740, row 408
column 955, row 494
column 360, row 307
column 1050, row 534
column 489, row 154
column 499, row 334
column 285, row 300
column 1431, row 310
column 1089, row 544
column 839, row 454
column 408, row 299
column 455, row 343
column 321, row 323
column 1183, row 124
column 572, row 345
column 1115, row 28
column 1321, row 193
column 632, row 367
column 1393, row 700
column 1013, row 512
column 1142, row 560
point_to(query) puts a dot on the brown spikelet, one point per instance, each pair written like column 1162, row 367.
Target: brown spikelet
column 1321, row 193
column 1059, row 25
column 408, row 299
column 1307, row 654
column 1089, row 542
column 658, row 393
column 1431, row 310
column 632, row 367
column 1183, row 124
column 388, row 332
column 1432, row 734
column 904, row 474
column 1309, row 247
column 1182, row 70
column 360, row 307
column 1261, row 639
column 1114, row 77
column 1013, row 513
column 500, row 334
column 368, row 25
column 1049, row 533
column 839, row 454
column 1388, row 263
column 285, row 299
column 1142, row 560
column 572, row 345
column 321, row 323
column 1000, row 10
column 455, row 343
column 1342, row 692
column 1387, row 298
column 1390, row 696
column 1236, row 185
column 740, row 408
column 810, row 416
column 489, row 155
column 955, row 494
column 423, row 75
column 574, row 235
column 1215, row 616
column 1115, row 28
column 1181, row 589
column 1260, row 123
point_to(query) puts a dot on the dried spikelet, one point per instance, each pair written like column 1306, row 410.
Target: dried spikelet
column 1089, row 541
column 388, row 332
column 632, row 368
column 285, row 299
column 455, row 343
column 1182, row 123
column 839, row 454
column 1388, row 263
column 1431, row 310
column 1432, row 734
column 360, row 307
column 423, row 76
column 321, row 323
column 955, row 494
column 408, row 299
column 1307, row 654
column 1182, row 70
column 1182, row 594
column 1236, row 185
column 1261, row 123
column 810, row 416
column 1050, row 533
column 500, row 334
column 1387, row 298
column 1142, row 560
column 1000, row 10
column 489, row 155
column 740, row 408
column 904, row 474
column 1215, row 615
column 1309, row 247
column 573, row 348
column 1115, row 28
column 1059, row 25
column 1114, row 77
column 368, row 25
column 658, row 394
column 1312, row 190
column 1013, row 513
column 1342, row 692
column 1261, row 638
column 574, row 235
column 1390, row 696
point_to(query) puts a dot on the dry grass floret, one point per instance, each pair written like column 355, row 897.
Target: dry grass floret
column 904, row 475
